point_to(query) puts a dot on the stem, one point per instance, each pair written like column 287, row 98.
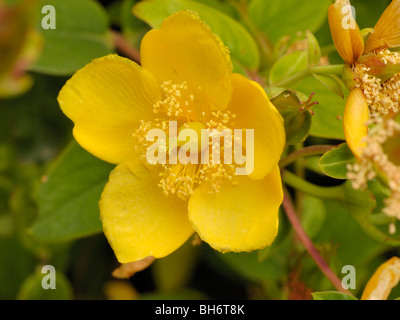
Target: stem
column 293, row 79
column 307, row 151
column 329, row 69
column 377, row 234
column 125, row 47
column 265, row 45
column 323, row 266
column 330, row 193
column 381, row 219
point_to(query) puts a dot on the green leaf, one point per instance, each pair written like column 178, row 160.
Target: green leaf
column 327, row 121
column 16, row 264
column 359, row 202
column 287, row 17
column 241, row 45
column 68, row 199
column 346, row 234
column 313, row 215
column 287, row 66
column 334, row 162
column 313, row 49
column 332, row 295
column 32, row 288
column 81, row 34
column 332, row 82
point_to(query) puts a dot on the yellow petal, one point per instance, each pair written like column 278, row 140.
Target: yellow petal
column 254, row 111
column 345, row 31
column 240, row 217
column 387, row 30
column 106, row 101
column 185, row 49
column 138, row 219
column 385, row 278
column 356, row 114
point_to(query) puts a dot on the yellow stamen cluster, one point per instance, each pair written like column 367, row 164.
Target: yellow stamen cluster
column 383, row 98
column 140, row 135
column 175, row 102
column 374, row 158
column 181, row 179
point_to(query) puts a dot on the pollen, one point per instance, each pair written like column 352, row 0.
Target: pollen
column 177, row 104
column 374, row 160
column 383, row 97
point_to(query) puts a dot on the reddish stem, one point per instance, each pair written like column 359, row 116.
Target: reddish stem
column 303, row 237
column 125, row 47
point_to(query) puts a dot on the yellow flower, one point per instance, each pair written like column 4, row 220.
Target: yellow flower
column 186, row 76
column 372, row 70
column 385, row 278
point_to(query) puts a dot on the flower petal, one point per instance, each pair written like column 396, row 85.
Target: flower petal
column 254, row 111
column 345, row 32
column 387, row 29
column 138, row 219
column 185, row 49
column 240, row 217
column 356, row 114
column 106, row 101
column 385, row 278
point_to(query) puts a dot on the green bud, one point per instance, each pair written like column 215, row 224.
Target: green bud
column 295, row 109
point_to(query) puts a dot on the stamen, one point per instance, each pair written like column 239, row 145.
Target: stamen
column 182, row 179
column 383, row 98
column 306, row 105
column 374, row 158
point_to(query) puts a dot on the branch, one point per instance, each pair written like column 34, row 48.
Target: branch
column 305, row 152
column 323, row 266
column 332, row 193
column 125, row 47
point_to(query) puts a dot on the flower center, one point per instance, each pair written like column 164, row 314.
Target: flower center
column 193, row 138
column 195, row 143
column 383, row 97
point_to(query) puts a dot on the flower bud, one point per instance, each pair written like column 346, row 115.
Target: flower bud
column 295, row 109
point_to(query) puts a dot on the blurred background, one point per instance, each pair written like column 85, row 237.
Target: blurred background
column 45, row 220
